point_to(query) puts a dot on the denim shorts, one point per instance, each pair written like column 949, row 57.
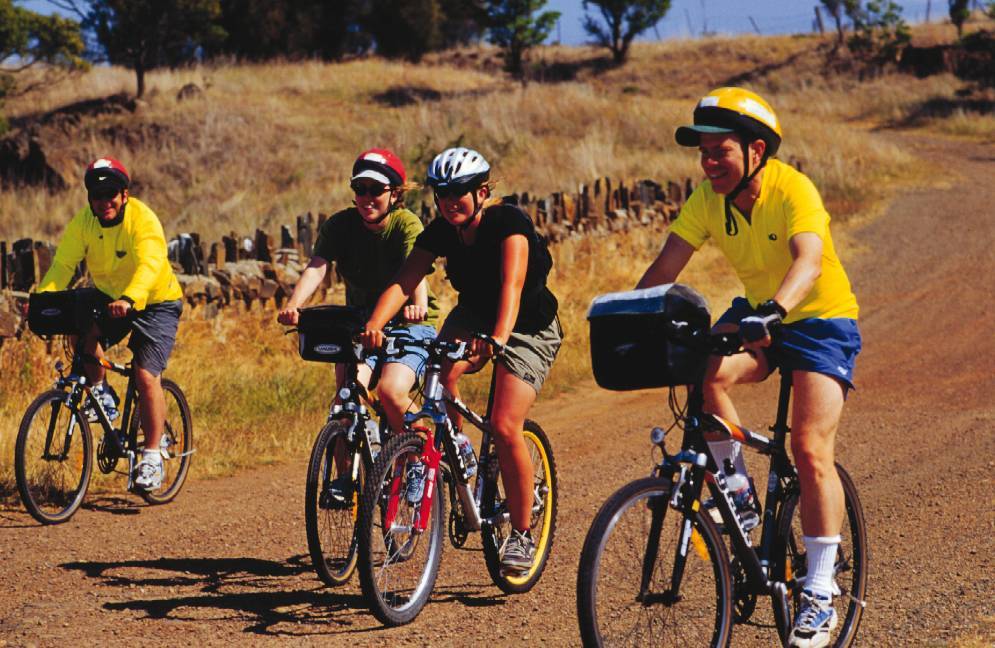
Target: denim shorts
column 413, row 358
column 825, row 346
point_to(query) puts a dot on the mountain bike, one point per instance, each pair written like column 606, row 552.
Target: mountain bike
column 54, row 456
column 345, row 448
column 654, row 569
column 401, row 540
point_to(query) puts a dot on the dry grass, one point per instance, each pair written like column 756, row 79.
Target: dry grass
column 264, row 143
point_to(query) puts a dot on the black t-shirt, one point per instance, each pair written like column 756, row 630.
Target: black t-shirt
column 475, row 270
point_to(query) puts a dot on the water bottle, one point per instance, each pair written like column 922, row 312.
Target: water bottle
column 466, row 452
column 742, row 495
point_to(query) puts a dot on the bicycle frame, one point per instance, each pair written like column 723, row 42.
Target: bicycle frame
column 703, row 472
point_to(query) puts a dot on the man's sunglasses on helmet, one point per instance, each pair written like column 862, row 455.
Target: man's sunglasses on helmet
column 103, row 193
column 371, row 189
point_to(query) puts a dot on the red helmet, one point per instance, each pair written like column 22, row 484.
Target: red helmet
column 381, row 165
column 106, row 172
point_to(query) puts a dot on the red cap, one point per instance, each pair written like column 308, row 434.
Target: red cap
column 106, row 171
column 381, row 165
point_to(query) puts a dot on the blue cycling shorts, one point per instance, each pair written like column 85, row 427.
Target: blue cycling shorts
column 825, row 346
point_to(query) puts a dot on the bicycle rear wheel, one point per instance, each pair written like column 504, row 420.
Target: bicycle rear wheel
column 398, row 565
column 53, row 458
column 331, row 524
column 543, row 521
column 620, row 553
column 176, row 444
column 790, row 562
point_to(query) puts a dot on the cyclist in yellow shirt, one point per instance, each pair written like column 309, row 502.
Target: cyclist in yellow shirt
column 123, row 244
column 799, row 311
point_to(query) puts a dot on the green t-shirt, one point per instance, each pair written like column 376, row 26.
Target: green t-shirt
column 368, row 261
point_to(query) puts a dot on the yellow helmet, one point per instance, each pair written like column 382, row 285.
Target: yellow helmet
column 733, row 110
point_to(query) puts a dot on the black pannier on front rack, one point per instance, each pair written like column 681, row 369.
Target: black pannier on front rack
column 325, row 333
column 633, row 345
column 63, row 312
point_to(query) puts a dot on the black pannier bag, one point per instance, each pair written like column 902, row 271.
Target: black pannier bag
column 325, row 333
column 63, row 312
column 632, row 341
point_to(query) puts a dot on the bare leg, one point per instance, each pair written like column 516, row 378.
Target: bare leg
column 512, row 399
column 151, row 406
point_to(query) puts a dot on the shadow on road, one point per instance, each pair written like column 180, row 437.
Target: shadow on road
column 262, row 593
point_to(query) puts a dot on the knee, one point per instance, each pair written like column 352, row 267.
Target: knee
column 145, row 381
column 393, row 396
column 814, row 457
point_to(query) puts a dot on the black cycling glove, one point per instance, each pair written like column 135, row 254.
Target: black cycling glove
column 766, row 319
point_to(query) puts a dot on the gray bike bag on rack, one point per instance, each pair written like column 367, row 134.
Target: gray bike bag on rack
column 634, row 344
column 325, row 333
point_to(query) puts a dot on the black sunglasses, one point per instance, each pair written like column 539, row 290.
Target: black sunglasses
column 106, row 193
column 368, row 189
column 451, row 191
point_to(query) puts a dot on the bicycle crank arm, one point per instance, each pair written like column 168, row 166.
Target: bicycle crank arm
column 781, row 599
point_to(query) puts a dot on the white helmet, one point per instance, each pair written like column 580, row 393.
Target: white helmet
column 458, row 170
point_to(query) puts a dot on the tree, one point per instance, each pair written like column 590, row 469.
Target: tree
column 514, row 27
column 835, row 9
column 30, row 40
column 147, row 34
column 880, row 33
column 623, row 21
column 959, row 13
column 404, row 28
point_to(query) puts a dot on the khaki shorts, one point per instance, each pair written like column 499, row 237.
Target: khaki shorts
column 529, row 356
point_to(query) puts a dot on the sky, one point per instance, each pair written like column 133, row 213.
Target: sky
column 692, row 18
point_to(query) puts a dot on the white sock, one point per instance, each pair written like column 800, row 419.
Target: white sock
column 728, row 449
column 152, row 456
column 821, row 552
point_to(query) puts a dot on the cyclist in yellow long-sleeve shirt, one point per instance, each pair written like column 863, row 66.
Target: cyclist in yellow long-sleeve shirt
column 123, row 244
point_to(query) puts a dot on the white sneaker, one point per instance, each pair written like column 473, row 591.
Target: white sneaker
column 148, row 472
column 816, row 619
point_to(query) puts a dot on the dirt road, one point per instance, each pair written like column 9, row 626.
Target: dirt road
column 227, row 562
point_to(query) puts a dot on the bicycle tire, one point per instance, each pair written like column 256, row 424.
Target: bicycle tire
column 331, row 530
column 543, row 521
column 177, row 443
column 789, row 562
column 52, row 489
column 397, row 568
column 611, row 567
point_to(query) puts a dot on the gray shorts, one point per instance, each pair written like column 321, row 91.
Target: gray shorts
column 529, row 356
column 153, row 335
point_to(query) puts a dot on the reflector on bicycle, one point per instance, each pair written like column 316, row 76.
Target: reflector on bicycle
column 325, row 333
column 633, row 341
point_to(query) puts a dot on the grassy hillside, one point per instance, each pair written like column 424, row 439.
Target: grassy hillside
column 263, row 143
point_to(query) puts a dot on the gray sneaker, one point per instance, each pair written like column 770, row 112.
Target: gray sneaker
column 816, row 619
column 517, row 553
column 414, row 482
column 148, row 473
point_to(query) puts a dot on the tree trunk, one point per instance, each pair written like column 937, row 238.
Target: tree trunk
column 140, row 79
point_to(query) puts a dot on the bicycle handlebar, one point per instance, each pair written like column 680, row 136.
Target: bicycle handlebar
column 726, row 344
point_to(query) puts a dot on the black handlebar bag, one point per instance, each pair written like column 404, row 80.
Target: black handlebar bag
column 325, row 333
column 63, row 312
column 640, row 338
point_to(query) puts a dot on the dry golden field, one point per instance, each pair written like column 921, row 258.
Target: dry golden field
column 264, row 143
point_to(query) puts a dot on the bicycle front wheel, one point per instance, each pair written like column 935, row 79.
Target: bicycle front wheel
column 398, row 564
column 625, row 582
column 53, row 458
column 176, row 444
column 331, row 521
column 543, row 520
column 849, row 573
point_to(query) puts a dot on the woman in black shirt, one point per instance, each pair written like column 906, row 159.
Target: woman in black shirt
column 498, row 264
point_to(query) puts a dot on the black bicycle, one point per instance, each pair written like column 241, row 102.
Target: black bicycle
column 344, row 450
column 401, row 537
column 54, row 454
column 654, row 569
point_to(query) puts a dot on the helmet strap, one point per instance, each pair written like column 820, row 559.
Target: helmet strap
column 731, row 227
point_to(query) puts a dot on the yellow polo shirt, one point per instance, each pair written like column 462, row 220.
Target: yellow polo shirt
column 128, row 259
column 788, row 204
